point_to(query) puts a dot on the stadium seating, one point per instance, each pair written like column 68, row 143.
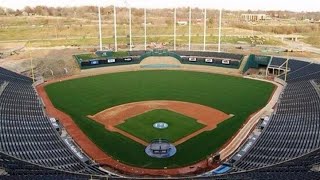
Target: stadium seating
column 288, row 147
column 293, row 130
column 277, row 61
column 293, row 64
column 302, row 71
column 303, row 167
column 13, row 168
column 296, row 64
column 26, row 132
column 210, row 54
column 310, row 71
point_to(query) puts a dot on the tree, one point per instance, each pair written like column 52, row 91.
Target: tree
column 28, row 10
column 2, row 11
column 211, row 22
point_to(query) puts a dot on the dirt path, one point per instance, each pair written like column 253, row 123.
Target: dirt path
column 203, row 114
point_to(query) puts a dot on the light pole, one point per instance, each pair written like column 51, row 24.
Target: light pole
column 130, row 28
column 145, row 29
column 220, row 19
column 190, row 28
column 115, row 28
column 100, row 28
column 130, row 24
column 204, row 29
column 174, row 28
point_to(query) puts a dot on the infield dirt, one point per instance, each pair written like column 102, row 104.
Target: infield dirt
column 208, row 116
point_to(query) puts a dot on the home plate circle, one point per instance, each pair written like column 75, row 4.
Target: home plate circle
column 160, row 125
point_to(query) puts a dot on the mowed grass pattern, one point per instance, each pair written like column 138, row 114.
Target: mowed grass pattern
column 141, row 126
column 90, row 95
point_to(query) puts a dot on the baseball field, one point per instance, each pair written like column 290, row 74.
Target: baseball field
column 235, row 97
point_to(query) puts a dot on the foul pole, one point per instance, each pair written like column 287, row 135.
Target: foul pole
column 204, row 29
column 100, row 28
column 220, row 19
column 115, row 28
column 190, row 28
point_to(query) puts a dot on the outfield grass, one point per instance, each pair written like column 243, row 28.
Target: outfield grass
column 141, row 126
column 88, row 96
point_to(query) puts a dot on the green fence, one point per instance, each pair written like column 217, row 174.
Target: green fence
column 255, row 61
column 83, row 59
column 161, row 52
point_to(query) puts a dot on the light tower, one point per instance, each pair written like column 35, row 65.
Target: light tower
column 145, row 29
column 130, row 29
column 100, row 28
column 190, row 28
column 115, row 28
column 174, row 28
column 204, row 29
column 220, row 19
column 130, row 24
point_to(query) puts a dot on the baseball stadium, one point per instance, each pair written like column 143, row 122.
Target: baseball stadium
column 132, row 107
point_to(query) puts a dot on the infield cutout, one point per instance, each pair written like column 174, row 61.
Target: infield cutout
column 116, row 115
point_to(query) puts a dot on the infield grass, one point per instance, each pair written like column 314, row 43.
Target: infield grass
column 90, row 95
column 179, row 125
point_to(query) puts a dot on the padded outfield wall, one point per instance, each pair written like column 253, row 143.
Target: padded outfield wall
column 226, row 60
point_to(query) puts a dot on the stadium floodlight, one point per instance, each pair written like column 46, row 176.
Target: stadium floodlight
column 220, row 19
column 145, row 29
column 174, row 28
column 130, row 28
column 115, row 28
column 100, row 28
column 204, row 29
column 190, row 28
column 130, row 24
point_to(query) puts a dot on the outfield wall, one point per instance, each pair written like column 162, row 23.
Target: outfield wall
column 185, row 57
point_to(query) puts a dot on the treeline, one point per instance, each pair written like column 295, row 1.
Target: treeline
column 85, row 11
column 277, row 29
column 49, row 11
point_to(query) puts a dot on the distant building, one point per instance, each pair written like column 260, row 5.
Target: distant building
column 182, row 22
column 199, row 21
column 255, row 17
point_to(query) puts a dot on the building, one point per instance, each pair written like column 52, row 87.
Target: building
column 183, row 22
column 255, row 17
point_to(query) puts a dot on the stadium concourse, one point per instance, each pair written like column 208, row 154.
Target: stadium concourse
column 288, row 146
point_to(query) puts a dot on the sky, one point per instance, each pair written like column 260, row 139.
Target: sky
column 292, row 5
